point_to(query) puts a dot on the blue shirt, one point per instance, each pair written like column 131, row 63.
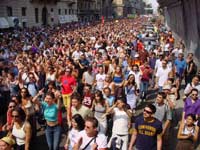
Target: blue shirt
column 180, row 66
column 147, row 133
column 110, row 100
column 50, row 112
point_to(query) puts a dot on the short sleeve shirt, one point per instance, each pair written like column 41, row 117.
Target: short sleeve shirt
column 67, row 83
column 147, row 133
column 163, row 113
column 192, row 108
column 50, row 112
column 100, row 140
column 83, row 111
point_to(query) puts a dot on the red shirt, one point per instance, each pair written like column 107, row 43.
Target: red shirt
column 140, row 46
column 67, row 83
column 9, row 117
column 146, row 73
column 87, row 100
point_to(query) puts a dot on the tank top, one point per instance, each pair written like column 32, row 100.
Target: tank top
column 19, row 134
column 99, row 111
column 117, row 80
column 186, row 131
column 50, row 77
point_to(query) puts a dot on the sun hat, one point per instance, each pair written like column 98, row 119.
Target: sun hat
column 8, row 140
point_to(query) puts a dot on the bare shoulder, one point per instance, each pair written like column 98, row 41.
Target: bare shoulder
column 27, row 125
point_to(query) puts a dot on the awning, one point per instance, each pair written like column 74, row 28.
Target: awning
column 3, row 23
column 13, row 21
column 67, row 18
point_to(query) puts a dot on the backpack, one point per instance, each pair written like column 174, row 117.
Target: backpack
column 194, row 69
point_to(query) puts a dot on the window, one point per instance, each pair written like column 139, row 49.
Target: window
column 23, row 11
column 59, row 11
column 24, row 24
column 36, row 15
column 9, row 11
column 65, row 11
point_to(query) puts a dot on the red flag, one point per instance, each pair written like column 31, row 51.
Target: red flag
column 102, row 20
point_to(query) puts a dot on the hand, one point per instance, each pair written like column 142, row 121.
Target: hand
column 190, row 135
column 41, row 92
column 94, row 146
column 156, row 87
column 66, row 146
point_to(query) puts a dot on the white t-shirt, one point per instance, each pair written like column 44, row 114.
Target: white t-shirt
column 166, row 47
column 89, row 78
column 120, row 122
column 72, row 137
column 100, row 81
column 162, row 74
column 76, row 54
column 158, row 64
column 100, row 140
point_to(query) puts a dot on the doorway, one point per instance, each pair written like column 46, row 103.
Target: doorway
column 44, row 16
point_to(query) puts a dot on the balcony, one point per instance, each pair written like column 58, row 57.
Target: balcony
column 70, row 2
column 166, row 3
column 84, row 11
column 43, row 1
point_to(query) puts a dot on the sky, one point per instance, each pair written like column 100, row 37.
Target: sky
column 154, row 4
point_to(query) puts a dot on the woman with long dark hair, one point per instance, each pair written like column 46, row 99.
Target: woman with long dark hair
column 100, row 107
column 77, row 125
column 187, row 133
column 29, row 109
column 21, row 129
column 131, row 91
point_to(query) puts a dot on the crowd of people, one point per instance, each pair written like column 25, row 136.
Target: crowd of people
column 95, row 77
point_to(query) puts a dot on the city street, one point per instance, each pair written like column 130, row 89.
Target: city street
column 98, row 65
column 41, row 141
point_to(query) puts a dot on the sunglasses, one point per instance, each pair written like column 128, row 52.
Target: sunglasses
column 88, row 127
column 148, row 112
column 11, row 106
column 15, row 116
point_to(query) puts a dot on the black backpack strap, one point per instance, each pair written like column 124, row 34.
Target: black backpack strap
column 94, row 138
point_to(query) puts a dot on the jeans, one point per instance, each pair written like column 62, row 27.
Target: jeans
column 144, row 87
column 53, row 136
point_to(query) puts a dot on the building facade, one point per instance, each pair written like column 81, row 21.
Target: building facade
column 88, row 10
column 39, row 12
column 123, row 8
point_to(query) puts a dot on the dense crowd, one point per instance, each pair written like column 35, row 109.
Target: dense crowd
column 95, row 77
